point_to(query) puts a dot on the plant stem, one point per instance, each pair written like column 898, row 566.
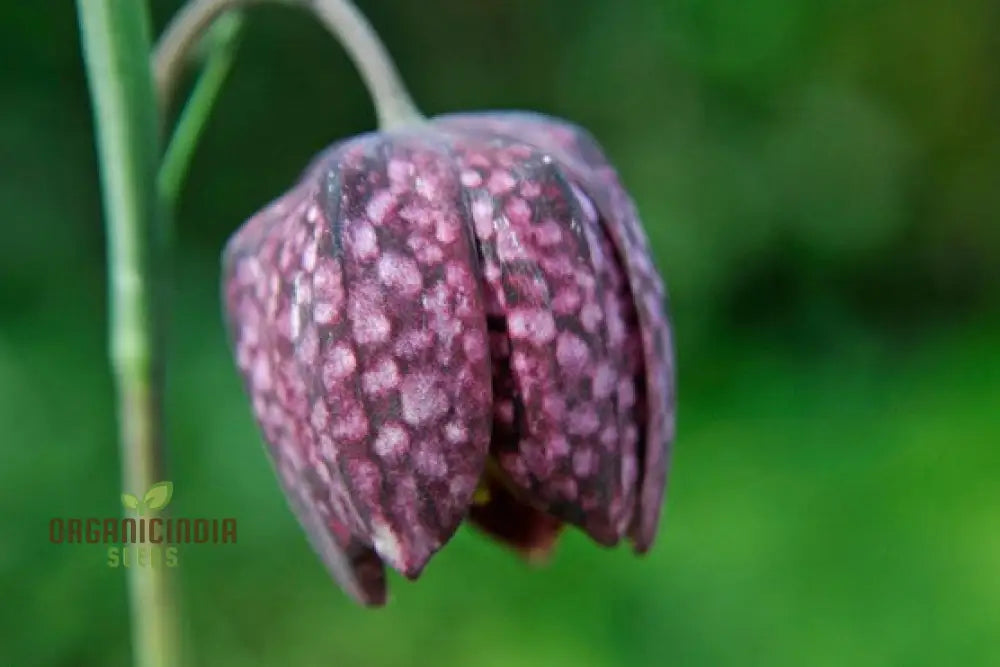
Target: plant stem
column 115, row 37
column 393, row 104
column 224, row 38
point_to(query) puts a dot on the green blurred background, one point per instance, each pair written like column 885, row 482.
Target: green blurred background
column 821, row 183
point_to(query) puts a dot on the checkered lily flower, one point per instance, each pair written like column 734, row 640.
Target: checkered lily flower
column 457, row 320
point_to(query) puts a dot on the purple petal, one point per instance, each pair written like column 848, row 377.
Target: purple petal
column 355, row 565
column 369, row 312
column 543, row 268
column 573, row 147
column 316, row 495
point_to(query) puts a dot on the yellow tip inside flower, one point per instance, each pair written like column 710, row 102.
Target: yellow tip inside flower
column 482, row 494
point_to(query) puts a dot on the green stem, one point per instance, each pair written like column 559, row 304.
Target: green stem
column 393, row 104
column 224, row 40
column 115, row 37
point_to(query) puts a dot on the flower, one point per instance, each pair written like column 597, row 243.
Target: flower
column 458, row 319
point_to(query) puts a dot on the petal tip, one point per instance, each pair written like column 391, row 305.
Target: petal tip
column 407, row 556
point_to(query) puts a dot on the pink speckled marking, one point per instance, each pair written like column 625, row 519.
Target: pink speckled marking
column 534, row 325
column 379, row 205
column 422, row 399
column 340, row 363
column 381, row 377
column 392, row 441
column 401, row 273
column 363, row 242
column 573, row 356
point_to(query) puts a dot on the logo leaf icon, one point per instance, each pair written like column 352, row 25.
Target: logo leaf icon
column 130, row 501
column 158, row 495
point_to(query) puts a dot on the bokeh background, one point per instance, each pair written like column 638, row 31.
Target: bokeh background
column 821, row 184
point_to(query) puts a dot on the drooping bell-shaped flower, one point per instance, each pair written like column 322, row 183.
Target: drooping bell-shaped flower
column 456, row 319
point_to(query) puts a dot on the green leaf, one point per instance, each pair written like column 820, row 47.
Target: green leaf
column 130, row 501
column 223, row 40
column 159, row 495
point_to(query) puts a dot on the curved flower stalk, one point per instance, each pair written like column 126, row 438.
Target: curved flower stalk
column 456, row 319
